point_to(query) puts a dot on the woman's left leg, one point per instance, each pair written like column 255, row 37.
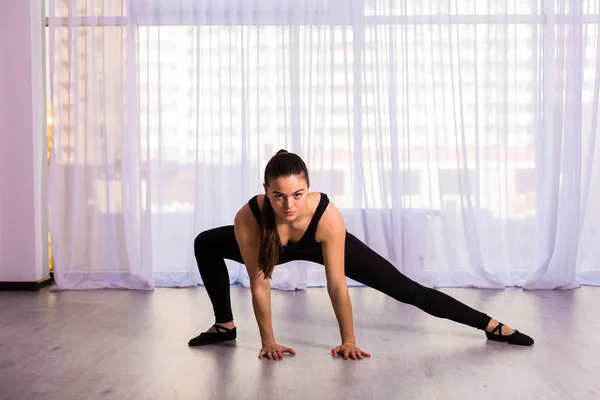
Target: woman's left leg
column 369, row 268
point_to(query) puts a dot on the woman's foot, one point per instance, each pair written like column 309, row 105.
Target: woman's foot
column 499, row 332
column 221, row 332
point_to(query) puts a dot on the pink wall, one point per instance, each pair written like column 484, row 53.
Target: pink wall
column 21, row 180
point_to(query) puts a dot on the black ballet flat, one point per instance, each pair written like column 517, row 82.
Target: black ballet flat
column 517, row 338
column 221, row 335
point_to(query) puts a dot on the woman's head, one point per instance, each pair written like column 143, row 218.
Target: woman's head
column 286, row 189
column 286, row 185
column 284, row 164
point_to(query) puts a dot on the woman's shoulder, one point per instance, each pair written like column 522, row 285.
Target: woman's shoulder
column 260, row 200
column 331, row 223
column 331, row 214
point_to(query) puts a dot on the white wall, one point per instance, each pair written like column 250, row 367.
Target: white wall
column 23, row 215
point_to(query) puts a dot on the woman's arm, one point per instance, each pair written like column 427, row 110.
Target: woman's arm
column 247, row 234
column 333, row 244
column 333, row 241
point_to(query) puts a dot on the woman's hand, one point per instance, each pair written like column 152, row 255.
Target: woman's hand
column 349, row 350
column 274, row 351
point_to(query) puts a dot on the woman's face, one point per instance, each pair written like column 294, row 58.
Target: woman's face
column 288, row 196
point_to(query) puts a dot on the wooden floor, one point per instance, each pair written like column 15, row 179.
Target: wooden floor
column 113, row 344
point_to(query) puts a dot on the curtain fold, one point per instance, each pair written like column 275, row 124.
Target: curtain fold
column 458, row 139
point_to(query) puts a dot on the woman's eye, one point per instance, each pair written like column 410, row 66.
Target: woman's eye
column 298, row 195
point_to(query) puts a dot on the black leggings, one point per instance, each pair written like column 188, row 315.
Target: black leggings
column 362, row 264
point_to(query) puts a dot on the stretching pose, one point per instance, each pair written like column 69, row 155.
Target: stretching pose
column 288, row 223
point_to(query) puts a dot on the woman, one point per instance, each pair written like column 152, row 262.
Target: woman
column 289, row 223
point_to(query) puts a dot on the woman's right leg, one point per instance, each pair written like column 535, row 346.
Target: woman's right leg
column 211, row 247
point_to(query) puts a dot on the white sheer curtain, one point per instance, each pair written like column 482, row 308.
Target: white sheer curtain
column 457, row 138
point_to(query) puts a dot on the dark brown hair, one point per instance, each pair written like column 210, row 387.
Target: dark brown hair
column 282, row 164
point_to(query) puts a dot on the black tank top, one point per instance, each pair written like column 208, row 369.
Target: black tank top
column 307, row 248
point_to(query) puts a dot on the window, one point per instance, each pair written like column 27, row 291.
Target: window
column 213, row 60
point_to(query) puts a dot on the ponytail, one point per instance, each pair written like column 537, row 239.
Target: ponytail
column 269, row 240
